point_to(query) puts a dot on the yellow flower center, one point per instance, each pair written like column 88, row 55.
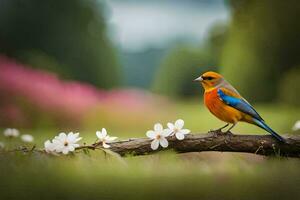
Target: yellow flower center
column 66, row 143
column 158, row 137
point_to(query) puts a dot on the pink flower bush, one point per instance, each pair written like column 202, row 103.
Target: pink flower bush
column 66, row 102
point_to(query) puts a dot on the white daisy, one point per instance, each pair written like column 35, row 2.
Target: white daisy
column 64, row 143
column 27, row 138
column 159, row 136
column 104, row 138
column 11, row 132
column 296, row 126
column 177, row 129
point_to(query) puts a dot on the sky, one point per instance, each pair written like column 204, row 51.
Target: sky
column 136, row 24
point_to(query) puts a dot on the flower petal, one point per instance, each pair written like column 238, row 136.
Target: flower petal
column 58, row 147
column 151, row 134
column 163, row 142
column 15, row 132
column 166, row 132
column 27, row 138
column 71, row 148
column 110, row 139
column 65, row 151
column 104, row 132
column 179, row 136
column 11, row 132
column 158, row 127
column 296, row 126
column 72, row 138
column 99, row 135
column 154, row 144
column 171, row 126
column 62, row 136
column 76, row 134
column 185, row 131
column 70, row 134
column 78, row 139
column 106, row 146
column 179, row 124
column 48, row 146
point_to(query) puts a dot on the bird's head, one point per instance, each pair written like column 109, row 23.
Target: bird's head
column 209, row 80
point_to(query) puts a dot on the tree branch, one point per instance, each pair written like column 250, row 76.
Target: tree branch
column 213, row 141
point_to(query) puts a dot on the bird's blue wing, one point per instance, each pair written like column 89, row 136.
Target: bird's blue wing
column 237, row 103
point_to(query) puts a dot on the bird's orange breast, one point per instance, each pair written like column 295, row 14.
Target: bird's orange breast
column 218, row 108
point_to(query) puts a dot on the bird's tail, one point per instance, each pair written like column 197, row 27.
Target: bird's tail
column 264, row 126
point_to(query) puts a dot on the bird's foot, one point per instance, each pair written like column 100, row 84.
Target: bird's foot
column 228, row 133
column 220, row 129
column 219, row 132
column 216, row 133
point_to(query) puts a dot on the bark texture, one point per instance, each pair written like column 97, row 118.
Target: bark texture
column 214, row 141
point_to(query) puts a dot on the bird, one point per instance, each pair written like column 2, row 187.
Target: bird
column 225, row 102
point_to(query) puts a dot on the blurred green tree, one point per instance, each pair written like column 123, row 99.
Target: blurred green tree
column 263, row 44
column 185, row 63
column 67, row 37
column 289, row 89
column 179, row 68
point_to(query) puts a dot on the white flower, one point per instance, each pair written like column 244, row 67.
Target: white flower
column 296, row 126
column 11, row 132
column 2, row 145
column 159, row 136
column 27, row 138
column 64, row 143
column 104, row 138
column 49, row 146
column 176, row 129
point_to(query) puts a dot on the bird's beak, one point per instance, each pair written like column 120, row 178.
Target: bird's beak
column 199, row 79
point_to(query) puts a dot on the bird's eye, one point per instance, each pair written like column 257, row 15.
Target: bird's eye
column 208, row 78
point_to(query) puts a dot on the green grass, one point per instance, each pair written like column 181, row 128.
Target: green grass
column 164, row 175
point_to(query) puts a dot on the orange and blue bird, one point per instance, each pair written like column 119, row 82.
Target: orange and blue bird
column 224, row 101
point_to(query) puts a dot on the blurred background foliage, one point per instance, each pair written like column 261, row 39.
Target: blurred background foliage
column 260, row 42
column 185, row 63
column 255, row 52
column 81, row 50
column 262, row 46
column 66, row 37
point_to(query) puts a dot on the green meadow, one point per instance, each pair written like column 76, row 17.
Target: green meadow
column 165, row 175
